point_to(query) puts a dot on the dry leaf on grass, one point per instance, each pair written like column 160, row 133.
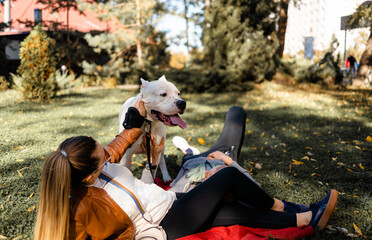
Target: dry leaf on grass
column 201, row 141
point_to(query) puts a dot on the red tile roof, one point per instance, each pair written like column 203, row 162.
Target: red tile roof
column 24, row 10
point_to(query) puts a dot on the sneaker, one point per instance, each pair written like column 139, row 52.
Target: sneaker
column 323, row 210
column 294, row 208
column 182, row 144
column 332, row 193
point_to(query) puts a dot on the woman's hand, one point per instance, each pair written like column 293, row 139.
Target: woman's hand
column 217, row 155
column 140, row 107
column 154, row 148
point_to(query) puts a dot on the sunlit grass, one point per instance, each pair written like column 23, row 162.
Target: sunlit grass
column 326, row 130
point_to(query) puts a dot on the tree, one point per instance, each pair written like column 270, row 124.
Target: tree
column 238, row 37
column 37, row 66
column 363, row 16
column 124, row 45
column 191, row 12
column 63, row 5
column 59, row 5
column 283, row 19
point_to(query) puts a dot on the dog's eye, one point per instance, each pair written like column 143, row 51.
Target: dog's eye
column 163, row 94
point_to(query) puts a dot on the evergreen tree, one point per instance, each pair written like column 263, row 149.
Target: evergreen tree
column 37, row 66
column 238, row 37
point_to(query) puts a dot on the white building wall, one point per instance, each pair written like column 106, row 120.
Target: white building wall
column 319, row 19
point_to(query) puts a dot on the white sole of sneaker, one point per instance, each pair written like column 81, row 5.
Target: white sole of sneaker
column 182, row 144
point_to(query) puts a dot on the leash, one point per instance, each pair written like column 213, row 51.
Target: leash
column 148, row 140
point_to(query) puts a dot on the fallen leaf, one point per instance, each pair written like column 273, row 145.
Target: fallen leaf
column 31, row 208
column 20, row 174
column 101, row 133
column 201, row 141
column 369, row 139
column 305, row 158
column 295, row 162
column 357, row 147
column 189, row 139
column 357, row 230
column 3, row 237
column 138, row 164
column 32, row 194
column 349, row 170
column 360, row 165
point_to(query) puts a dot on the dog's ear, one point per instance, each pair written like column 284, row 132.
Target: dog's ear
column 162, row 78
column 144, row 84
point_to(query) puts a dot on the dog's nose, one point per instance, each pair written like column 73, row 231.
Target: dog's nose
column 181, row 105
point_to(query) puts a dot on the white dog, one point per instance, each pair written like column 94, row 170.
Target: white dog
column 163, row 104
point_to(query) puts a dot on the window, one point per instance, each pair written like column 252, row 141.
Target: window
column 38, row 16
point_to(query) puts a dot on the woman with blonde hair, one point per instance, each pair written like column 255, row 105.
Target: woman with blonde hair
column 83, row 196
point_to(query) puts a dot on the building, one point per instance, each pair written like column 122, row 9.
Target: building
column 20, row 13
column 315, row 21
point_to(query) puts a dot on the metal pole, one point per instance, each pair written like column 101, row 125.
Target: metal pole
column 345, row 49
column 7, row 13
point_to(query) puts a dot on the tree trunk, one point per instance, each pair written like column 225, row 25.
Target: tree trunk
column 282, row 26
column 138, row 23
column 187, row 24
column 68, row 34
column 365, row 65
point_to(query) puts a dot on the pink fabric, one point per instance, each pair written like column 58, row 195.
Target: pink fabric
column 237, row 232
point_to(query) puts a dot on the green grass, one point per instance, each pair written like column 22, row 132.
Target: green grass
column 326, row 130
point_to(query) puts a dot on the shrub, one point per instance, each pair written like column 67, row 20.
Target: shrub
column 67, row 81
column 328, row 67
column 37, row 66
column 193, row 80
column 4, row 84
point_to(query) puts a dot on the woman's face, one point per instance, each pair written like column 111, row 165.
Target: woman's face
column 99, row 153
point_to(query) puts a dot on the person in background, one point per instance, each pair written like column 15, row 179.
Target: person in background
column 352, row 62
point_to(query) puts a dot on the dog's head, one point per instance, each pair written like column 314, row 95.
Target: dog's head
column 162, row 102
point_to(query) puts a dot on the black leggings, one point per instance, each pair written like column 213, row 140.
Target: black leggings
column 232, row 135
column 208, row 206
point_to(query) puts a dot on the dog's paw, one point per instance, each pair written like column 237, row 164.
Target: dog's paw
column 167, row 178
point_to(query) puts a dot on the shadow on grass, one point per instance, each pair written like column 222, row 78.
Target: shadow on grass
column 328, row 147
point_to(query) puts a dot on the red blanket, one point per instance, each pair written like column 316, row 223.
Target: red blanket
column 237, row 232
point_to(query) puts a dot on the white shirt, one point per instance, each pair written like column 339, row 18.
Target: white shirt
column 154, row 199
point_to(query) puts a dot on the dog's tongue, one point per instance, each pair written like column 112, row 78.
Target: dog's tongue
column 176, row 120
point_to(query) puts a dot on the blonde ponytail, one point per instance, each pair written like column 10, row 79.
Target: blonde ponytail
column 63, row 170
column 53, row 213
